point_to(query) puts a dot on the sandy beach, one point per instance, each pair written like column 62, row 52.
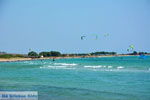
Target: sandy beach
column 14, row 59
column 26, row 59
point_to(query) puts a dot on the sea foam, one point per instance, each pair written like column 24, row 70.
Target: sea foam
column 57, row 67
column 110, row 66
column 120, row 67
column 93, row 66
column 65, row 64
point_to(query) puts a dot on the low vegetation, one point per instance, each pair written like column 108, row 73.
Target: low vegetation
column 11, row 56
column 58, row 54
column 34, row 54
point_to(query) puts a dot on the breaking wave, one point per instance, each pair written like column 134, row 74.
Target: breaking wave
column 56, row 67
column 98, row 66
column 65, row 64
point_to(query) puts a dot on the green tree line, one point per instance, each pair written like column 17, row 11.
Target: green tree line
column 34, row 54
column 44, row 54
column 58, row 54
column 11, row 56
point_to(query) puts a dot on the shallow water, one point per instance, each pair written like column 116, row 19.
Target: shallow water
column 109, row 78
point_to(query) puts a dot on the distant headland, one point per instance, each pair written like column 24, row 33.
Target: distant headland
column 32, row 55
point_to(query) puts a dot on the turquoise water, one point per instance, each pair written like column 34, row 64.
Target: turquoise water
column 109, row 78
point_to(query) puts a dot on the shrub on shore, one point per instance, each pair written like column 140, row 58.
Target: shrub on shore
column 33, row 54
column 104, row 53
column 11, row 56
column 50, row 54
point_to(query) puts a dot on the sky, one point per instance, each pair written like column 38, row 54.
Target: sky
column 57, row 25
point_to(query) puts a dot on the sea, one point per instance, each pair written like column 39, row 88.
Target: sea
column 103, row 78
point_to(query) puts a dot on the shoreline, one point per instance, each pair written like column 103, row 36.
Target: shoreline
column 44, row 58
column 14, row 59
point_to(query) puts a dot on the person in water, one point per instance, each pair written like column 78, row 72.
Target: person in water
column 53, row 59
